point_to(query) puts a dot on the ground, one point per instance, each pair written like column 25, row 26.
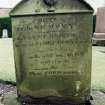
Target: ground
column 98, row 68
column 9, row 96
column 7, row 71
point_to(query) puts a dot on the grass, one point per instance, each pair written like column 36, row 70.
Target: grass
column 98, row 68
column 7, row 69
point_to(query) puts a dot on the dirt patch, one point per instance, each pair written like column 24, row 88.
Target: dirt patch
column 8, row 95
column 5, row 89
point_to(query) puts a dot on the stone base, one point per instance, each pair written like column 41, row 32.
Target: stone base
column 50, row 101
column 99, row 36
column 11, row 99
column 98, row 39
column 98, row 42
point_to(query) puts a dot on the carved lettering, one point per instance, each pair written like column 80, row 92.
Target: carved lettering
column 51, row 44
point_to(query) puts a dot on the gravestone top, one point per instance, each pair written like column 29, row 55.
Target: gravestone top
column 32, row 7
column 50, row 2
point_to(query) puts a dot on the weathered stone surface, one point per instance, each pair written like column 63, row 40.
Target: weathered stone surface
column 52, row 49
column 54, row 61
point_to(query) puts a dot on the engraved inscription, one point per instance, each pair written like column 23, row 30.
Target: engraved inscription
column 50, row 45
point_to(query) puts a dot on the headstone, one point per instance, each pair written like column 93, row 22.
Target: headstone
column 99, row 34
column 52, row 48
column 5, row 33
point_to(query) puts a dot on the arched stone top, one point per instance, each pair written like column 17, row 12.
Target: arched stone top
column 32, row 7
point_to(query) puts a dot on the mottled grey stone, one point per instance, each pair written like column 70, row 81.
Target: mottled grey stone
column 53, row 51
